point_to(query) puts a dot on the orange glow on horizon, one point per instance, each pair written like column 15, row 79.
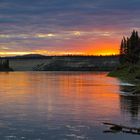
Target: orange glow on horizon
column 106, row 47
column 103, row 53
column 59, row 53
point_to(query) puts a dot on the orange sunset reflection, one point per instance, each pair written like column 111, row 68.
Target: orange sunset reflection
column 74, row 90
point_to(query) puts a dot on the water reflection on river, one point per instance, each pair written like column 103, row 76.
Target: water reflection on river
column 63, row 106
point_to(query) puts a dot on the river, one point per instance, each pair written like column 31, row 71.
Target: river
column 64, row 106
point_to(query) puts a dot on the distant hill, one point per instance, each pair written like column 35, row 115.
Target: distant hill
column 28, row 56
column 31, row 55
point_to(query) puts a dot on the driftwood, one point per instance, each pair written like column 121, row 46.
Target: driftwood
column 121, row 128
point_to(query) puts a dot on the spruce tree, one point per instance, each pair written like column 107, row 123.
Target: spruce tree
column 130, row 49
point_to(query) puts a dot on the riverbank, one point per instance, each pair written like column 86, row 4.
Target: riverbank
column 128, row 73
column 63, row 63
column 6, row 69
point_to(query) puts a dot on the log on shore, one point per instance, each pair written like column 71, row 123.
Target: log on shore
column 123, row 128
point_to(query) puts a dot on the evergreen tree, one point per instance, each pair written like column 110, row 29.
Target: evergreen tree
column 4, row 64
column 130, row 49
column 121, row 53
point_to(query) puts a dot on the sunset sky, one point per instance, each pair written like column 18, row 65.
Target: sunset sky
column 56, row 27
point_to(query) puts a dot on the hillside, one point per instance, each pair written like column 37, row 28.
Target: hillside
column 63, row 63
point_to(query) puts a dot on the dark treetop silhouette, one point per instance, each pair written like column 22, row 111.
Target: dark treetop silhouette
column 130, row 49
column 4, row 65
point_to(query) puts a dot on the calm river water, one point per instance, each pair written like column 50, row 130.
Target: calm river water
column 64, row 106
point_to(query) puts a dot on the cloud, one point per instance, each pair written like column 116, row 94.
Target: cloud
column 65, row 24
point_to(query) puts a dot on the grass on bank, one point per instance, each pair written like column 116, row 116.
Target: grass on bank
column 129, row 73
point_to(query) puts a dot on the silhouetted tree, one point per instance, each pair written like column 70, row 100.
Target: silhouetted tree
column 130, row 49
column 122, row 52
column 4, row 65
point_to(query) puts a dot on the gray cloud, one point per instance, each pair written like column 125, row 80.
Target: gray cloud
column 58, row 16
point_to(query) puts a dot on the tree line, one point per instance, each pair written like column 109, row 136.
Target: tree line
column 130, row 49
column 4, row 64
